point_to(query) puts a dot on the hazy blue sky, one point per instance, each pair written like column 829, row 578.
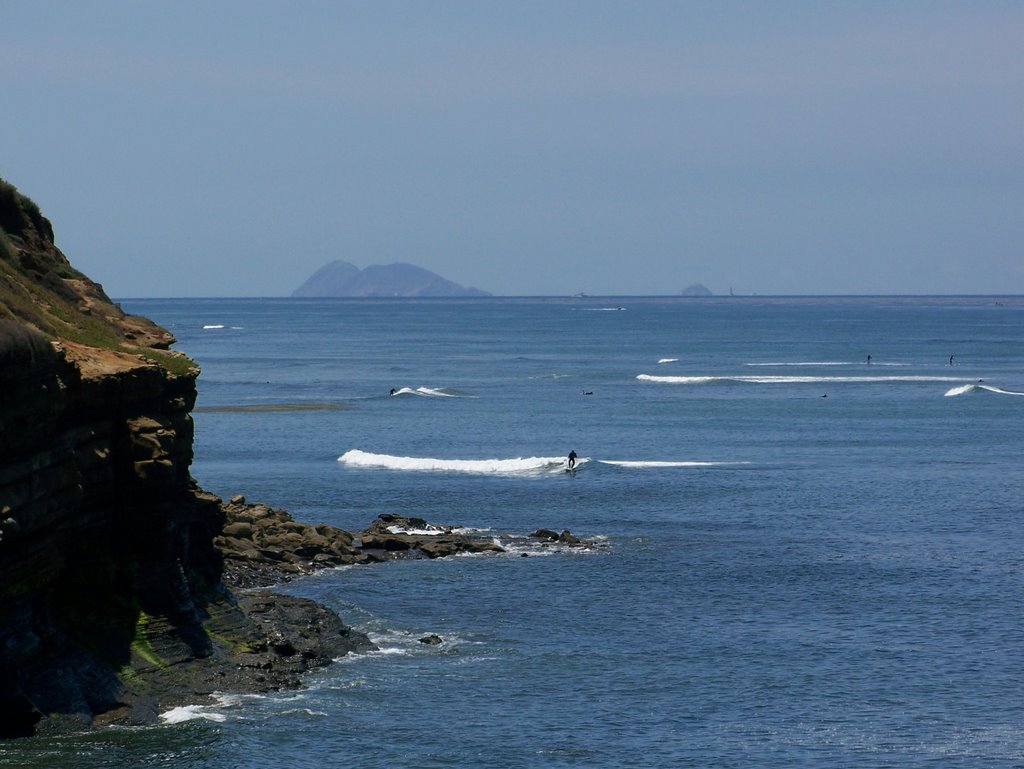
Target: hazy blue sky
column 232, row 148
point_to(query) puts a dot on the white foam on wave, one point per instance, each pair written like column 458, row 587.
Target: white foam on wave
column 185, row 713
column 642, row 463
column 781, row 379
column 961, row 390
column 519, row 465
column 823, row 363
column 471, row 530
column 970, row 388
column 210, row 326
column 668, row 360
column 427, row 392
column 416, row 532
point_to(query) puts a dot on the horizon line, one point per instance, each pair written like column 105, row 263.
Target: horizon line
column 585, row 296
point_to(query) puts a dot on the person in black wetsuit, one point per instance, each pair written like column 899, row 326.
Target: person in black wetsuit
column 572, row 460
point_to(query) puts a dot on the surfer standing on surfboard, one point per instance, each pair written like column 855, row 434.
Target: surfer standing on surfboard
column 572, row 459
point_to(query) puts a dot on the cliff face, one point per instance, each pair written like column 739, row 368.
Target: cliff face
column 111, row 600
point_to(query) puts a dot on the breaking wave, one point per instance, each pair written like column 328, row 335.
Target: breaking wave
column 668, row 360
column 971, row 388
column 430, row 392
column 185, row 713
column 823, row 363
column 781, row 379
column 519, row 465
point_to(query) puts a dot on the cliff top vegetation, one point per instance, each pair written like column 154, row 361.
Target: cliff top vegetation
column 40, row 289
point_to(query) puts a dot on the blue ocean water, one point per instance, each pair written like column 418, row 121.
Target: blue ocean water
column 802, row 559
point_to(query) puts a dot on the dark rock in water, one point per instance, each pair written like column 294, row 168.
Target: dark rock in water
column 394, row 535
column 546, row 534
column 568, row 538
column 433, row 639
column 263, row 546
column 305, row 632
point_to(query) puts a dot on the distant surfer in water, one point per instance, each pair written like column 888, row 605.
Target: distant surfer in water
column 951, row 363
column 572, row 460
column 393, row 390
column 869, row 360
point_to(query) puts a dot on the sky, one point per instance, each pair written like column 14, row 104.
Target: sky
column 526, row 148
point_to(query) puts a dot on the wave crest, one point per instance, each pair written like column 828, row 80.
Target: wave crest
column 782, row 379
column 971, row 388
column 428, row 392
column 518, row 465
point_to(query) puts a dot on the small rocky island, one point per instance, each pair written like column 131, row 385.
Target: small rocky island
column 343, row 279
column 125, row 589
column 696, row 289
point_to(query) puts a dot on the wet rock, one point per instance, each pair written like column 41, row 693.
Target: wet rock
column 546, row 534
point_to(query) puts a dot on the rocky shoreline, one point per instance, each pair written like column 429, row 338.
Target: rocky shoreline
column 264, row 546
column 125, row 589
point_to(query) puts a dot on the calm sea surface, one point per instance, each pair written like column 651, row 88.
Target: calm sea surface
column 803, row 559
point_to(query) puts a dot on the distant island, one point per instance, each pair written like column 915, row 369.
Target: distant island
column 697, row 289
column 340, row 278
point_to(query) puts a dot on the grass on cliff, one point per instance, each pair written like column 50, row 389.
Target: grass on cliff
column 55, row 316
column 18, row 211
column 28, row 301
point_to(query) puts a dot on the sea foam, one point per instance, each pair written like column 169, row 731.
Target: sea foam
column 971, row 388
column 428, row 392
column 190, row 713
column 519, row 465
column 822, row 363
column 781, row 379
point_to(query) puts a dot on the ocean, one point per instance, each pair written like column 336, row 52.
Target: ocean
column 799, row 558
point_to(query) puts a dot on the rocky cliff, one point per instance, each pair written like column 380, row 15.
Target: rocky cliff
column 112, row 605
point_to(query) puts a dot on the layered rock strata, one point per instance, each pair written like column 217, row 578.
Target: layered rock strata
column 112, row 605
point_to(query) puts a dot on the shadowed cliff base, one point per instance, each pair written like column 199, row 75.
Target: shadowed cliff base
column 112, row 603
